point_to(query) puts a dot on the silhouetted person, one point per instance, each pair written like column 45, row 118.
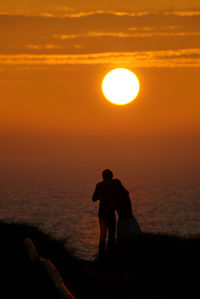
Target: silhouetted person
column 127, row 225
column 123, row 205
column 107, row 192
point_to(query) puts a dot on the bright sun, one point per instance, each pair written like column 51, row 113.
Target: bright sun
column 120, row 86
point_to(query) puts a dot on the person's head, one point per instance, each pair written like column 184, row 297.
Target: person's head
column 107, row 174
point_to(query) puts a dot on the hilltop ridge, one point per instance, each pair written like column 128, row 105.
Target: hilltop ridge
column 148, row 266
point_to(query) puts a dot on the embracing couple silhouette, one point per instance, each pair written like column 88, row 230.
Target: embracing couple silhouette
column 114, row 197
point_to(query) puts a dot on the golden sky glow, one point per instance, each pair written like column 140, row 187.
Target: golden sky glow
column 55, row 54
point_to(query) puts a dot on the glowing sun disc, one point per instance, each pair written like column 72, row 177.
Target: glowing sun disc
column 120, row 86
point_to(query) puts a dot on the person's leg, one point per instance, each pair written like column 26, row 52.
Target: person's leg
column 103, row 233
column 111, row 232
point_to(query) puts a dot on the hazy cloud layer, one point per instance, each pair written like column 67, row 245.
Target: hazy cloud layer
column 176, row 58
column 58, row 7
column 99, row 37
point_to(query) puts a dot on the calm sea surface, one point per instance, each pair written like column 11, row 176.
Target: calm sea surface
column 64, row 207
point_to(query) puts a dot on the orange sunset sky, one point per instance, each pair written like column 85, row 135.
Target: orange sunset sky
column 53, row 57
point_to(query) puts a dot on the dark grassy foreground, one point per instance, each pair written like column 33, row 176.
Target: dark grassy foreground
column 149, row 266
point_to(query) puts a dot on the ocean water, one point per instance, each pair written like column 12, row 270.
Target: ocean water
column 63, row 207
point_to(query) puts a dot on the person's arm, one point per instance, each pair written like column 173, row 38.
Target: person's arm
column 96, row 195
